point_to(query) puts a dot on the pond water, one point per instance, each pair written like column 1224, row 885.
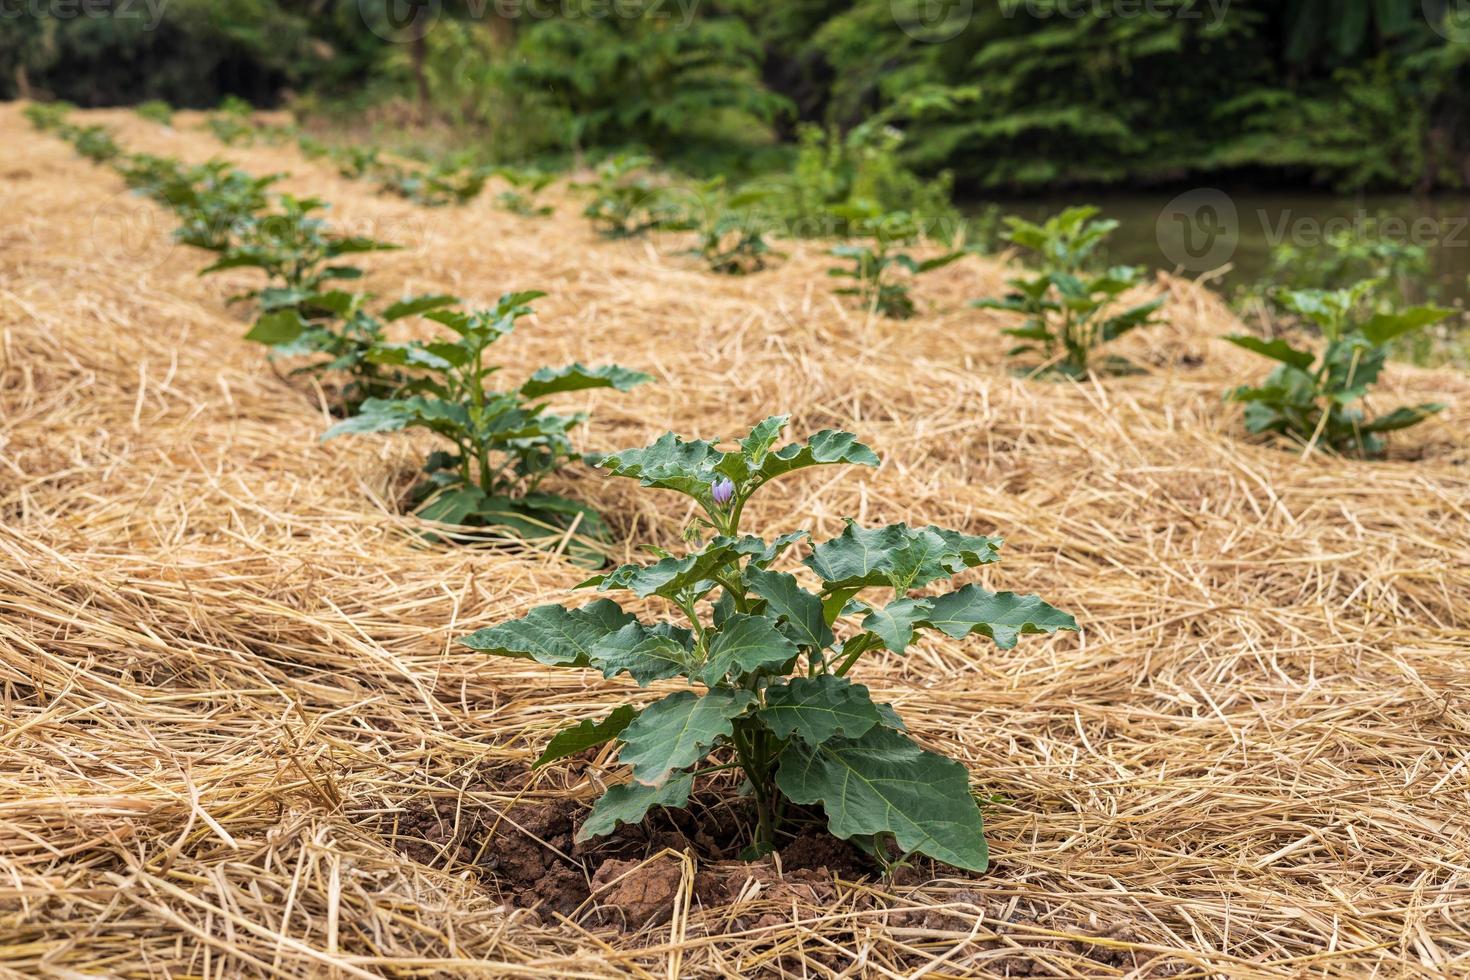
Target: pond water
column 1199, row 231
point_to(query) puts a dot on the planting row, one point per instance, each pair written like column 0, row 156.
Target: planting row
column 768, row 661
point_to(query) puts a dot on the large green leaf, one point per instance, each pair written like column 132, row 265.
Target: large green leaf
column 1402, row 418
column 575, row 377
column 801, row 610
column 671, row 463
column 1002, row 616
column 553, row 635
column 393, row 414
column 587, row 734
column 898, row 556
column 1384, row 327
column 882, row 783
column 630, row 803
column 744, row 642
column 670, row 576
column 679, row 730
column 1277, row 350
column 280, row 327
column 830, row 446
column 413, row 305
column 647, row 654
column 819, row 708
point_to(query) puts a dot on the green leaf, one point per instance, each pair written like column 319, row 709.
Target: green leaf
column 1138, row 316
column 1002, row 616
column 801, row 610
column 670, row 576
column 746, row 642
column 1402, row 418
column 755, row 446
column 1277, row 350
column 827, row 447
column 679, row 730
column 647, row 654
column 587, row 734
column 882, row 783
column 412, row 305
column 819, row 708
column 670, row 463
column 393, row 414
column 552, row 635
column 275, row 329
column 895, row 623
column 898, row 556
column 575, row 377
column 630, row 803
column 1384, row 327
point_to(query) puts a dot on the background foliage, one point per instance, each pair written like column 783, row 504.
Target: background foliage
column 1346, row 93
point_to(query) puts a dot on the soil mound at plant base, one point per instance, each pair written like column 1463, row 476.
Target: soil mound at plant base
column 239, row 737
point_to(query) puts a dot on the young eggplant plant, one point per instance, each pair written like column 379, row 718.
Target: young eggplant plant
column 435, row 186
column 505, row 442
column 730, row 229
column 769, row 660
column 525, row 187
column 1067, row 307
column 872, row 263
column 295, row 250
column 626, row 203
column 1311, row 399
column 339, row 337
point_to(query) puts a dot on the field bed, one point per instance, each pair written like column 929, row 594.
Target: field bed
column 238, row 739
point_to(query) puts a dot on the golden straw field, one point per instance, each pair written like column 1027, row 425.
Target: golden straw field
column 237, row 738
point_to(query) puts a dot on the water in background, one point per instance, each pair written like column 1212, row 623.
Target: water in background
column 1202, row 230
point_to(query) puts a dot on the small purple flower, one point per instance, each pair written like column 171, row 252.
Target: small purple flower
column 723, row 491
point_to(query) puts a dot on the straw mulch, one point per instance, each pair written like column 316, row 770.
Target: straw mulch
column 229, row 687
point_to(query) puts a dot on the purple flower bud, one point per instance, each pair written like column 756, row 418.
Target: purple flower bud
column 723, row 491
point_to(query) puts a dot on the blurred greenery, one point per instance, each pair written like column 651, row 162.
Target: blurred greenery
column 1013, row 95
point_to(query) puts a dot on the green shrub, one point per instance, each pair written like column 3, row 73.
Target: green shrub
column 48, row 116
column 339, row 338
column 434, row 186
column 871, row 263
column 526, row 184
column 505, row 442
column 768, row 660
column 626, row 201
column 1068, row 308
column 296, row 251
column 157, row 111
column 1313, row 398
column 838, row 179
